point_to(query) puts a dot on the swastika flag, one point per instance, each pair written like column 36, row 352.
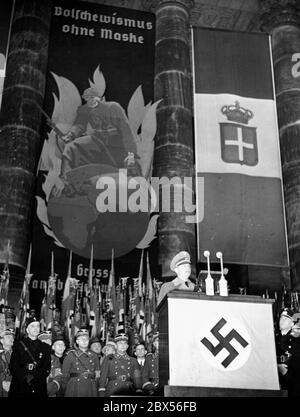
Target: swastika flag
column 230, row 345
column 237, row 148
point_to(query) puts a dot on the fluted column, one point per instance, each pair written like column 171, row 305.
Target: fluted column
column 174, row 152
column 20, row 120
column 282, row 19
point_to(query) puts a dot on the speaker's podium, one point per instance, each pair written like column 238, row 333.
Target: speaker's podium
column 217, row 346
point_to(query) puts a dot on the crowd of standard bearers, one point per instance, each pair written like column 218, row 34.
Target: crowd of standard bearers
column 39, row 365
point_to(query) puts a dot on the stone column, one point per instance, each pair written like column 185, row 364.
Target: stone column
column 20, row 119
column 174, row 143
column 282, row 19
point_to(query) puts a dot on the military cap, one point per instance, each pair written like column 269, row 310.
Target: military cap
column 139, row 344
column 287, row 312
column 109, row 343
column 82, row 332
column 46, row 335
column 181, row 258
column 7, row 332
column 30, row 320
column 121, row 336
column 94, row 340
column 58, row 337
column 91, row 92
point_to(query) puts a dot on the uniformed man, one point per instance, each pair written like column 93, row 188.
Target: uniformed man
column 81, row 368
column 95, row 346
column 59, row 347
column 30, row 364
column 120, row 373
column 55, row 386
column 7, row 340
column 284, row 344
column 181, row 265
column 150, row 375
column 292, row 377
column 110, row 348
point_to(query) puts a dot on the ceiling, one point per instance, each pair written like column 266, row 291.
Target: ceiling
column 223, row 14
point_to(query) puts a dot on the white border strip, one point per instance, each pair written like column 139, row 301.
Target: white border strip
column 195, row 147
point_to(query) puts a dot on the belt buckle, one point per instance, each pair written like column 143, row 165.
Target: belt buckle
column 123, row 378
column 30, row 366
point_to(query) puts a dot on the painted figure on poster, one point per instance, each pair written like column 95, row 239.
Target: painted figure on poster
column 101, row 134
column 96, row 140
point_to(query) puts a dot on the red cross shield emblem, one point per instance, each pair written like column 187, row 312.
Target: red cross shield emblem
column 238, row 144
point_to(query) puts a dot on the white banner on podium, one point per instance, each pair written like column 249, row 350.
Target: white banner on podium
column 222, row 344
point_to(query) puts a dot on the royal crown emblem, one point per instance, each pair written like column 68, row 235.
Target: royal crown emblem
column 236, row 113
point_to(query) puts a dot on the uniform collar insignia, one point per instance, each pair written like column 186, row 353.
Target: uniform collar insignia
column 81, row 352
column 125, row 356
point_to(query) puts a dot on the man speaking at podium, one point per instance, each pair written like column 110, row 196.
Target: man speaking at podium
column 181, row 265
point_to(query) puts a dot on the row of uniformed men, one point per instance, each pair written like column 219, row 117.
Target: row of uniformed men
column 28, row 369
column 288, row 351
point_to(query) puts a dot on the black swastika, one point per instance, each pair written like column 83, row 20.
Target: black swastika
column 224, row 342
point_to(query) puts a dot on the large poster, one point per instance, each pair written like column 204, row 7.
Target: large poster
column 237, row 149
column 99, row 128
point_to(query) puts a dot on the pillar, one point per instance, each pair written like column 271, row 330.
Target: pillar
column 174, row 142
column 20, row 119
column 282, row 20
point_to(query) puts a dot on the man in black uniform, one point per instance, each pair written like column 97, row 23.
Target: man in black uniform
column 284, row 344
column 30, row 364
column 291, row 378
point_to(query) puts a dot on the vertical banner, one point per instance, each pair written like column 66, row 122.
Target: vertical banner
column 100, row 122
column 237, row 148
column 6, row 14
